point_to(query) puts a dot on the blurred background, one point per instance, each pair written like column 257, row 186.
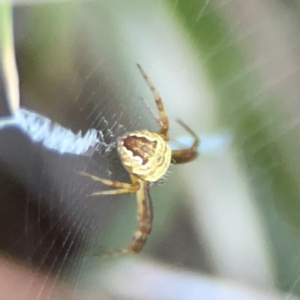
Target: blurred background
column 226, row 226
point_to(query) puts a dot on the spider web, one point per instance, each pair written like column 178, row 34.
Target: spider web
column 218, row 65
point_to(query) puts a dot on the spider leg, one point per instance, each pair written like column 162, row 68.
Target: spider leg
column 188, row 154
column 122, row 187
column 113, row 192
column 144, row 216
column 162, row 120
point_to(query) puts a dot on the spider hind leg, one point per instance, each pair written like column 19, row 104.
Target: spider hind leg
column 162, row 120
column 187, row 154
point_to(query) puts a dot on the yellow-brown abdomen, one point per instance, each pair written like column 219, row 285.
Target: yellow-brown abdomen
column 144, row 154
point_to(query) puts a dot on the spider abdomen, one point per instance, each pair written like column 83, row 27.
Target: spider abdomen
column 144, row 154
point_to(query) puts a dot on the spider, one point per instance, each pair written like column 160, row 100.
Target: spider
column 146, row 156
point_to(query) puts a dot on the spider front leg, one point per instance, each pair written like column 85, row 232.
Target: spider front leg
column 188, row 154
column 144, row 217
column 122, row 187
column 144, row 208
column 162, row 120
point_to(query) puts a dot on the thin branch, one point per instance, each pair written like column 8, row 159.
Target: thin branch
column 7, row 57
